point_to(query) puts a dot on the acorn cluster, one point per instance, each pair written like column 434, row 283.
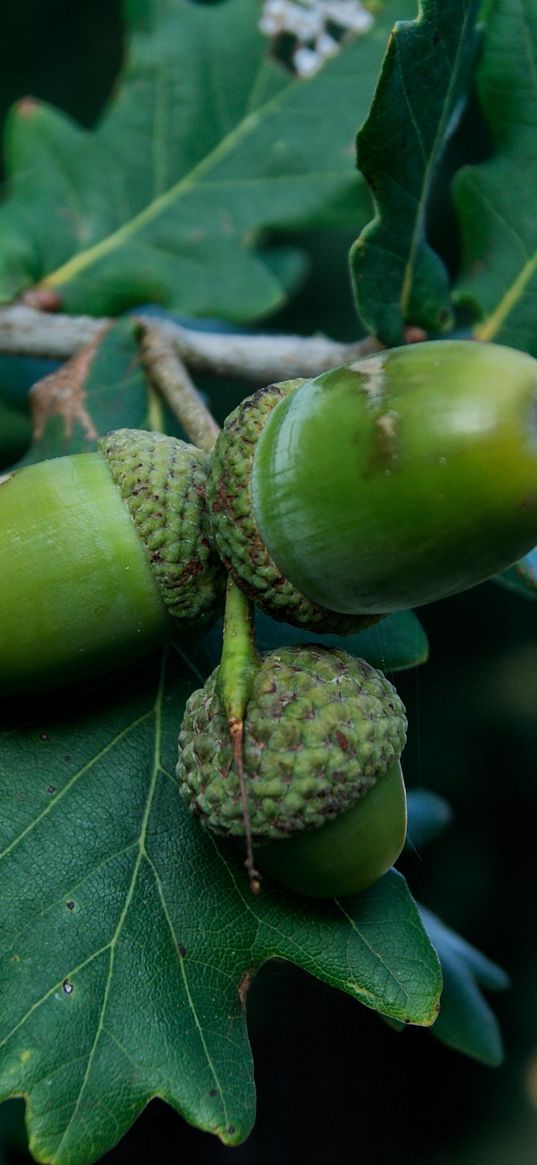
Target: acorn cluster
column 319, row 763
column 375, row 487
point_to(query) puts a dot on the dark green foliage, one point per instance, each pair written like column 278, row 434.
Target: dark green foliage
column 398, row 278
column 210, row 181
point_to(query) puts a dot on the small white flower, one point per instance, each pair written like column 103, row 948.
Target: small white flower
column 308, row 22
column 306, row 62
column 276, row 8
column 348, row 14
column 326, row 46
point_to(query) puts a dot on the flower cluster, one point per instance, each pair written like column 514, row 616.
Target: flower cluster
column 317, row 27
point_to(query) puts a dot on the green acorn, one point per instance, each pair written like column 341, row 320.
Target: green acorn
column 105, row 556
column 322, row 737
column 393, row 481
column 235, row 528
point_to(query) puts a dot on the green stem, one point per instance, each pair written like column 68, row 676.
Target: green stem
column 239, row 659
column 236, row 672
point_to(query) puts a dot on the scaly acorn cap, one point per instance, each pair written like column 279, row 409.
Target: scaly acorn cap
column 321, row 728
column 162, row 481
column 234, row 528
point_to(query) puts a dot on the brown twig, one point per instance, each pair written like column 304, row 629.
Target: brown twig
column 170, row 378
column 254, row 358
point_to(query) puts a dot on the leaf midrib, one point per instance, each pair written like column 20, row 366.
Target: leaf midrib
column 53, row 804
column 110, row 947
column 142, row 853
column 188, row 993
column 406, row 289
column 160, row 205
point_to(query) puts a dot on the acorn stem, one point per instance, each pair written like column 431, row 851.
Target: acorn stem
column 238, row 665
column 169, row 376
column 239, row 659
column 239, row 656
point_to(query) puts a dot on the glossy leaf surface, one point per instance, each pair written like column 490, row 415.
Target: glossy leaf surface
column 15, row 434
column 466, row 1021
column 205, row 145
column 104, row 387
column 398, row 277
column 429, row 815
column 495, row 199
column 129, row 935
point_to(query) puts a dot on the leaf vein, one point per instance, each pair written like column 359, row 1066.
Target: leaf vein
column 157, row 711
column 188, row 993
column 71, row 783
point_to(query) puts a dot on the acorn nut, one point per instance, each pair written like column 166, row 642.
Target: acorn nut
column 105, row 556
column 389, row 482
column 323, row 734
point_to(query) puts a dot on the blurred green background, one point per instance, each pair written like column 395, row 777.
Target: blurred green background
column 335, row 1084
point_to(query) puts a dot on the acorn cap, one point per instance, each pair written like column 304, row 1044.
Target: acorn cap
column 321, row 728
column 162, row 481
column 234, row 528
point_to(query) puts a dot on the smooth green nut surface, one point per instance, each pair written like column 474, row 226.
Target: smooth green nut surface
column 349, row 853
column 322, row 730
column 401, row 478
column 104, row 558
column 76, row 586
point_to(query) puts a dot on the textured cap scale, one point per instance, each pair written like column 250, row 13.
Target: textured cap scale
column 321, row 728
column 162, row 481
column 234, row 527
